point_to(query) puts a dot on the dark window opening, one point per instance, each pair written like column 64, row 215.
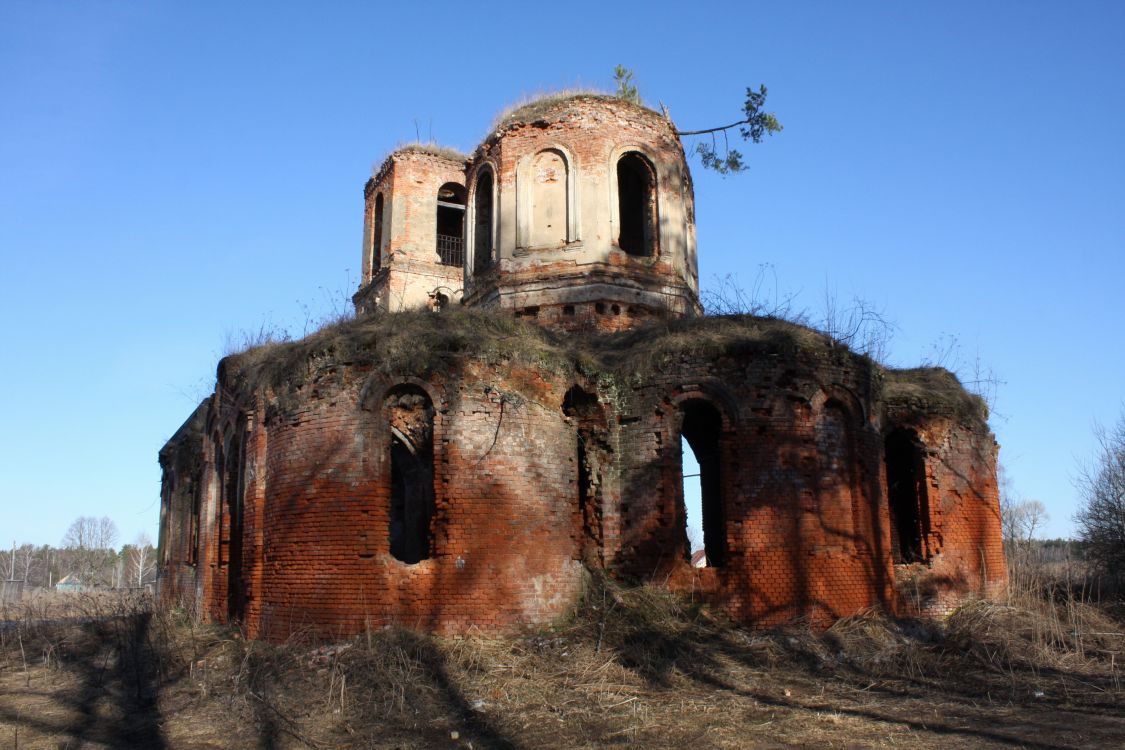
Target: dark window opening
column 907, row 497
column 636, row 199
column 702, row 494
column 568, row 309
column 451, row 224
column 219, row 494
column 193, row 528
column 411, row 417
column 482, row 226
column 233, row 497
column 592, row 453
column 377, row 235
column 599, row 308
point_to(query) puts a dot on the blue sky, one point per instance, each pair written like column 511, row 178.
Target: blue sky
column 173, row 173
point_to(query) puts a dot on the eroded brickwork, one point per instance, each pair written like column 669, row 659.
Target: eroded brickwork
column 463, row 469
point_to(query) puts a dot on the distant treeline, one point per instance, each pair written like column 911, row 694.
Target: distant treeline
column 43, row 567
column 89, row 555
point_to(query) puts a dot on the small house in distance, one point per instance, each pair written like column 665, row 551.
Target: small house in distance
column 509, row 410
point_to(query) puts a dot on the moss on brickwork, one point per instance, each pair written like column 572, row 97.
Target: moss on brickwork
column 933, row 390
column 420, row 343
column 541, row 107
column 655, row 347
column 402, row 343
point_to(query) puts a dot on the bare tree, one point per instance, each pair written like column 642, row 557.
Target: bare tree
column 141, row 560
column 25, row 557
column 87, row 532
column 1101, row 517
column 1022, row 520
column 90, row 543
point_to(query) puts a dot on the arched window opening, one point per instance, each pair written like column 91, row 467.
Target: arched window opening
column 218, row 494
column 592, row 451
column 636, row 200
column 907, row 496
column 235, row 457
column 410, row 415
column 193, row 528
column 482, row 225
column 549, row 199
column 377, row 235
column 700, row 470
column 451, row 224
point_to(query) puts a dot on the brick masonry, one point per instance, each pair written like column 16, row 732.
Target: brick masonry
column 832, row 484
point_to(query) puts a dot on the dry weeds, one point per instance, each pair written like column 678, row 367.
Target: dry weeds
column 633, row 666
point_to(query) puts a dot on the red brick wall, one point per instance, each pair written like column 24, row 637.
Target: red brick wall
column 802, row 476
column 316, row 528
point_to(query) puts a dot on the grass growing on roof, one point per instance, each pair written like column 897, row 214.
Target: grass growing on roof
column 531, row 108
column 410, row 342
column 652, row 348
column 933, row 388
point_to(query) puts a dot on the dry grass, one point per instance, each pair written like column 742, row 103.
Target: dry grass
column 654, row 347
column 632, row 665
column 415, row 342
column 431, row 148
column 532, row 107
column 422, row 343
column 933, row 388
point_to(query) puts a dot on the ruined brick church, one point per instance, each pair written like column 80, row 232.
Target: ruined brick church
column 510, row 407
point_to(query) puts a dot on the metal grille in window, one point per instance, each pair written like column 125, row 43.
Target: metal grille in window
column 451, row 250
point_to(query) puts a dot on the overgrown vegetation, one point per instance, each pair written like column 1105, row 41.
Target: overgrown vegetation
column 414, row 342
column 933, row 389
column 534, row 106
column 423, row 343
column 432, row 148
column 631, row 665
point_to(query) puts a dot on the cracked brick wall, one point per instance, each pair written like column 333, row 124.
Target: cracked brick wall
column 537, row 476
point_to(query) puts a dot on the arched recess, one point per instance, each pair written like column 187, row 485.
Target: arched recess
column 836, row 476
column 234, row 498
column 377, row 222
column 483, row 228
column 408, row 412
column 450, row 224
column 907, row 496
column 593, row 457
column 227, row 496
column 546, row 199
column 701, row 427
column 194, row 524
column 635, row 204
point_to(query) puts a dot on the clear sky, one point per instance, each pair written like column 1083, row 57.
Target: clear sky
column 172, row 173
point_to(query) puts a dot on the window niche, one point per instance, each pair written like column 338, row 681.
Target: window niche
column 451, row 224
column 593, row 454
column 636, row 203
column 482, row 222
column 410, row 418
column 229, row 480
column 377, row 234
column 549, row 199
column 835, row 475
column 907, row 496
column 701, row 429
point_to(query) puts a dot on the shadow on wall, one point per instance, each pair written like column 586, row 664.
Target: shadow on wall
column 792, row 520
